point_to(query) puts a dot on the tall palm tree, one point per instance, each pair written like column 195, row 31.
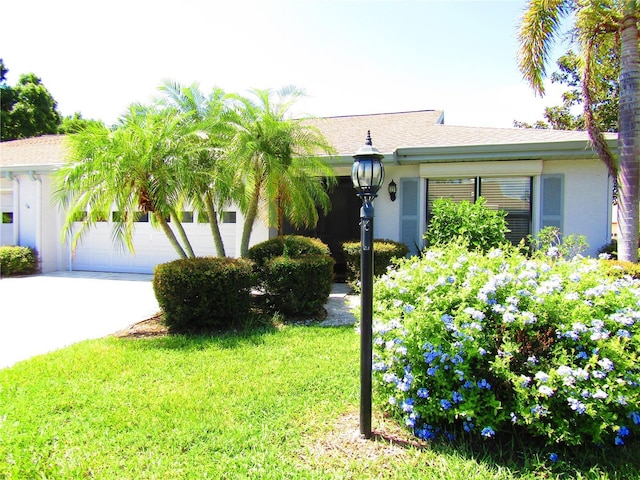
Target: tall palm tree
column 595, row 23
column 278, row 163
column 134, row 167
column 208, row 182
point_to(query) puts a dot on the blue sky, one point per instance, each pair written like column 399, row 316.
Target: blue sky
column 350, row 56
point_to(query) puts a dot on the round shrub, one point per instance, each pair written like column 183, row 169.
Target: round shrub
column 384, row 251
column 298, row 286
column 474, row 223
column 203, row 294
column 478, row 345
column 288, row 246
column 17, row 261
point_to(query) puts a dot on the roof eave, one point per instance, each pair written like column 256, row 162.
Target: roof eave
column 516, row 151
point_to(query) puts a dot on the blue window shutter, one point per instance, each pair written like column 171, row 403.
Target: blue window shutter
column 551, row 201
column 409, row 219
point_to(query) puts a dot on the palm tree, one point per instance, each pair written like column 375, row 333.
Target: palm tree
column 278, row 163
column 134, row 167
column 596, row 24
column 207, row 183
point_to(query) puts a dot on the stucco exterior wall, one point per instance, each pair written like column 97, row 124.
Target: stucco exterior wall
column 587, row 199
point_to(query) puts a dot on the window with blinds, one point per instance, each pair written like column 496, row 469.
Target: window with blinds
column 511, row 194
column 457, row 189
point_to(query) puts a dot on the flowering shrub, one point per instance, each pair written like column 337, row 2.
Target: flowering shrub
column 466, row 343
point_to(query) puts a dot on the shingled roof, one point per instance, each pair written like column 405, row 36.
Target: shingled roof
column 32, row 152
column 425, row 128
column 390, row 132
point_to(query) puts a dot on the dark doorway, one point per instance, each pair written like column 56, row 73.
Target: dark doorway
column 341, row 224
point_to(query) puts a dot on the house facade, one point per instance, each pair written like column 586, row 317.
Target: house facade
column 539, row 177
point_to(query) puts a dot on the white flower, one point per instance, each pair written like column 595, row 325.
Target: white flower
column 545, row 390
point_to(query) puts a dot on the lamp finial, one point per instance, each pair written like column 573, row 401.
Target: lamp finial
column 368, row 141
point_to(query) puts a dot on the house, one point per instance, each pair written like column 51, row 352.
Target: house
column 539, row 177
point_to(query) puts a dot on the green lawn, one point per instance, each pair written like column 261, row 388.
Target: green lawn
column 270, row 403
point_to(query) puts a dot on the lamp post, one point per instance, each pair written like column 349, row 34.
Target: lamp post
column 367, row 175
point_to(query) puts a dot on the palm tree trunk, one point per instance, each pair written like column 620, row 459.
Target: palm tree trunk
column 183, row 234
column 171, row 236
column 215, row 227
column 629, row 136
column 250, row 216
column 596, row 137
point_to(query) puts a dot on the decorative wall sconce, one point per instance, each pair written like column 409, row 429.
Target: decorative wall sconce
column 393, row 189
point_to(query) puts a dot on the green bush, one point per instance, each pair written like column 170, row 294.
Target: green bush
column 619, row 269
column 384, row 251
column 298, row 286
column 288, row 246
column 488, row 345
column 203, row 294
column 17, row 261
column 550, row 242
column 474, row 223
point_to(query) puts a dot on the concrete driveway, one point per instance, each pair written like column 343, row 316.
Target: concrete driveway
column 42, row 313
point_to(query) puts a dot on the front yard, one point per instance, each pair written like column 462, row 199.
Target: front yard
column 268, row 403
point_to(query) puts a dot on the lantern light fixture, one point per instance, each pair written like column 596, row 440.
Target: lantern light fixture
column 393, row 190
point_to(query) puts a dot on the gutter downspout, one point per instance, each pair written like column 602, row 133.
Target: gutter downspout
column 36, row 178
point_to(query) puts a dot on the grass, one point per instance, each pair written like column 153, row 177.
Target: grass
column 267, row 403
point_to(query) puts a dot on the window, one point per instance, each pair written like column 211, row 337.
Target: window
column 7, row 217
column 511, row 194
column 228, row 217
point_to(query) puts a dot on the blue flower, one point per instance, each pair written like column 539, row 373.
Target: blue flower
column 619, row 441
column 445, row 404
column 623, row 431
column 468, row 426
column 423, row 393
column 582, row 355
column 483, row 384
column 407, row 405
column 553, row 457
column 488, row 432
column 577, row 405
column 635, row 417
column 425, row 433
column 457, row 397
column 432, row 370
column 468, row 384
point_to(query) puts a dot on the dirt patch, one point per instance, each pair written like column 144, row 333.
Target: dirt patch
column 151, row 327
column 344, row 444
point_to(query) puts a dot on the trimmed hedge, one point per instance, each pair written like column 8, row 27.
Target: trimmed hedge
column 17, row 261
column 384, row 251
column 295, row 272
column 296, row 286
column 203, row 294
column 288, row 246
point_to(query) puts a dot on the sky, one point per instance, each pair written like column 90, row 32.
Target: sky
column 351, row 57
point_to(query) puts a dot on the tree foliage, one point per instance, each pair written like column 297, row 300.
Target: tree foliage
column 28, row 109
column 570, row 114
column 602, row 30
column 206, row 152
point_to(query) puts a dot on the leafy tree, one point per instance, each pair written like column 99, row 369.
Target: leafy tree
column 605, row 95
column 28, row 109
column 136, row 167
column 599, row 27
column 278, row 163
column 74, row 123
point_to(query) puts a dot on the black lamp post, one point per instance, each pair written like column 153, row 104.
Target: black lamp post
column 367, row 175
